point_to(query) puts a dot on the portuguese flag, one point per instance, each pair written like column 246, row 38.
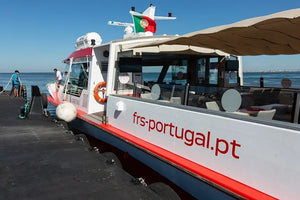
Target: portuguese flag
column 144, row 24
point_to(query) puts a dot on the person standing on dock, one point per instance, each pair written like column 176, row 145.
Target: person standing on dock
column 16, row 83
column 58, row 76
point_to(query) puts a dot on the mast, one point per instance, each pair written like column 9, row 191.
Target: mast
column 144, row 24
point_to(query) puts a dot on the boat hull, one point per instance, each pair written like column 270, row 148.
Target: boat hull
column 195, row 186
column 188, row 174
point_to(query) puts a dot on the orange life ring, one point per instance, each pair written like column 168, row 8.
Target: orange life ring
column 100, row 87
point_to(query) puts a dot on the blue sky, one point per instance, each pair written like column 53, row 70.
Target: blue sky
column 36, row 36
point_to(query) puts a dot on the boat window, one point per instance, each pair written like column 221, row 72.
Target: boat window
column 78, row 78
column 231, row 77
column 129, row 64
column 201, row 70
column 151, row 73
column 65, row 74
column 164, row 78
column 179, row 73
column 231, row 71
column 213, row 71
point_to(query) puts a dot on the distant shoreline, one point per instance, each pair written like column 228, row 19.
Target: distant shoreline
column 38, row 72
column 254, row 71
column 271, row 71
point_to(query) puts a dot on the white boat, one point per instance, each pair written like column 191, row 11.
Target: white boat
column 149, row 97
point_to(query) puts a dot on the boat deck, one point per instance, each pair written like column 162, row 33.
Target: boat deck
column 40, row 159
column 98, row 117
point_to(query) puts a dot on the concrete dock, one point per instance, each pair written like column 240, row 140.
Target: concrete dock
column 40, row 159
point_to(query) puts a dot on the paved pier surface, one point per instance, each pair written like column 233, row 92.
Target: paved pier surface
column 40, row 160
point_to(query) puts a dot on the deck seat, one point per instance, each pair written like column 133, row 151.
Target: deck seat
column 212, row 105
column 266, row 114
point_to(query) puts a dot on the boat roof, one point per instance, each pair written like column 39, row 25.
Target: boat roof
column 81, row 53
column 140, row 45
column 273, row 34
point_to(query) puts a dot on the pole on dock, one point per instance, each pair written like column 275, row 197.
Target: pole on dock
column 261, row 82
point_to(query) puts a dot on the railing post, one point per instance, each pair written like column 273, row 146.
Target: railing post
column 186, row 94
column 134, row 89
column 172, row 92
column 297, row 108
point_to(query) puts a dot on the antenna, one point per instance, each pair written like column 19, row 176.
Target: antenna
column 113, row 23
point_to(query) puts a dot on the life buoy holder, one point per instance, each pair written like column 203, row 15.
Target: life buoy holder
column 100, row 92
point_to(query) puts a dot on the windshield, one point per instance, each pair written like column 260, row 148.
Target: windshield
column 78, row 78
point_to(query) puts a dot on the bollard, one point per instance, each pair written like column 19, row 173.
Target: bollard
column 261, row 82
column 22, row 113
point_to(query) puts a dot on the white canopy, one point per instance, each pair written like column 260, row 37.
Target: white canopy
column 273, row 34
column 186, row 49
column 157, row 44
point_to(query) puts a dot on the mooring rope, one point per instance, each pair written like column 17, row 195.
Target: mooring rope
column 6, row 84
column 20, row 81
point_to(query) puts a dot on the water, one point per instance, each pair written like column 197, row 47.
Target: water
column 29, row 79
column 271, row 79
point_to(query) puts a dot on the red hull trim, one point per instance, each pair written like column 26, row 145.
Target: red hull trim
column 52, row 101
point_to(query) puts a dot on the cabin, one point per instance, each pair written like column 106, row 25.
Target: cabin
column 182, row 75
